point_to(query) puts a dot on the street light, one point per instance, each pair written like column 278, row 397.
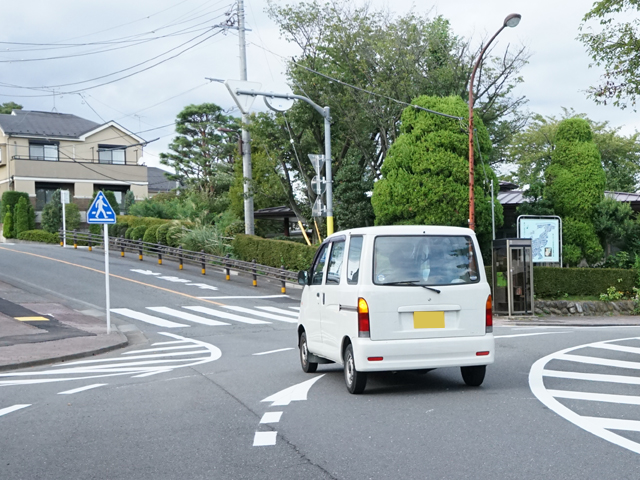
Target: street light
column 511, row 21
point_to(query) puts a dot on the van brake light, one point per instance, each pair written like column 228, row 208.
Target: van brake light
column 363, row 318
column 489, row 316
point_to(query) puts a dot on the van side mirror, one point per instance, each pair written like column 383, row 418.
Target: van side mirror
column 303, row 277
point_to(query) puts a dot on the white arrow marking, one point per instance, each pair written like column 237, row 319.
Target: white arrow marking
column 292, row 394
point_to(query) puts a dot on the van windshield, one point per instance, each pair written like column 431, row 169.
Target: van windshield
column 424, row 260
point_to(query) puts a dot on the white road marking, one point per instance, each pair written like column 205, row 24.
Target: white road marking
column 595, row 397
column 281, row 311
column 292, row 394
column 143, row 317
column 271, row 417
column 247, row 296
column 169, row 343
column 226, row 316
column 82, row 389
column 161, row 349
column 94, row 369
column 597, row 426
column 264, row 439
column 187, row 316
column 202, row 286
column 295, row 308
column 270, row 316
column 136, row 357
column 616, row 348
column 594, row 377
column 144, row 272
column 4, row 411
column 525, row 334
column 274, row 351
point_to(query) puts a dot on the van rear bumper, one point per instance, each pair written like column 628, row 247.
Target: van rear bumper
column 419, row 354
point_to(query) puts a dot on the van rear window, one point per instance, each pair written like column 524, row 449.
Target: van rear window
column 425, row 260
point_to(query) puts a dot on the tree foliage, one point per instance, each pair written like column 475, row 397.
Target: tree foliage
column 52, row 214
column 22, row 221
column 575, row 185
column 531, row 149
column 201, row 155
column 616, row 47
column 426, row 173
column 7, row 107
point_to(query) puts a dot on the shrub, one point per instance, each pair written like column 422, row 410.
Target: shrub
column 274, row 253
column 52, row 214
column 7, row 226
column 9, row 201
column 138, row 232
column 204, row 237
column 21, row 216
column 173, row 235
column 39, row 236
column 161, row 234
column 150, row 234
column 72, row 217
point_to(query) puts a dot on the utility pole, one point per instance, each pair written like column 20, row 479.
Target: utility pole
column 246, row 136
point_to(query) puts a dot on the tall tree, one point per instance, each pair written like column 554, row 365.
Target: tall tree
column 426, row 174
column 575, row 185
column 616, row 47
column 201, row 155
column 531, row 150
column 8, row 107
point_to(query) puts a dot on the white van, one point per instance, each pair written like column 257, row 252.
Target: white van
column 397, row 298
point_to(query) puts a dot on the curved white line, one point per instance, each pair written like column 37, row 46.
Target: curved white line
column 589, row 424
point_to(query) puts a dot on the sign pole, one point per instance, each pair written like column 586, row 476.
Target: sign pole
column 106, row 276
column 64, row 226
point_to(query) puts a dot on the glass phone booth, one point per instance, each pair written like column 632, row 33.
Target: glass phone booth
column 512, row 281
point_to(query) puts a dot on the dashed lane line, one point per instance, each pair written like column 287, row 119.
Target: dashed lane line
column 273, row 351
column 4, row 411
column 82, row 389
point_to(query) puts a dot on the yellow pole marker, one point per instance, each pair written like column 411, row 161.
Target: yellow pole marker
column 329, row 226
column 304, row 233
column 32, row 319
column 318, row 230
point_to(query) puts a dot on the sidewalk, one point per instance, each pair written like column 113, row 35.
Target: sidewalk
column 36, row 331
column 568, row 321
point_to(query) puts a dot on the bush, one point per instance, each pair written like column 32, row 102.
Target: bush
column 173, row 235
column 204, row 237
column 39, row 236
column 7, row 226
column 138, row 232
column 150, row 234
column 552, row 282
column 161, row 234
column 21, row 216
column 72, row 217
column 52, row 214
column 274, row 253
column 9, row 201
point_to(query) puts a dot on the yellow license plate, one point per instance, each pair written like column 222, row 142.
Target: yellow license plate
column 428, row 319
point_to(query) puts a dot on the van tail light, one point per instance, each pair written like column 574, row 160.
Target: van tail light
column 489, row 316
column 363, row 318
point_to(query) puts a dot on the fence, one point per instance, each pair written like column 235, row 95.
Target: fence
column 202, row 259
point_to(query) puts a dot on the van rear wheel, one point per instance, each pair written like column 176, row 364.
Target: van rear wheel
column 307, row 366
column 473, row 376
column 355, row 380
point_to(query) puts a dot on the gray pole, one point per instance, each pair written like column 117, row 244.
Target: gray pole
column 327, row 158
column 246, row 137
column 493, row 214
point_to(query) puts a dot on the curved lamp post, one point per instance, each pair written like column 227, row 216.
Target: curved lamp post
column 511, row 21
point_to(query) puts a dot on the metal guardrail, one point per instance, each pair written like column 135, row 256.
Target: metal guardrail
column 204, row 260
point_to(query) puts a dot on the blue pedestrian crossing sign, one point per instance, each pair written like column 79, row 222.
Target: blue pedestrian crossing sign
column 100, row 211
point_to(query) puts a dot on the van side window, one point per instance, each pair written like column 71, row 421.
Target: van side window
column 318, row 267
column 335, row 263
column 353, row 264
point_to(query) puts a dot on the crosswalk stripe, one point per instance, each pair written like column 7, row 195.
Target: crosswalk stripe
column 270, row 316
column 226, row 316
column 143, row 317
column 295, row 308
column 595, row 397
column 82, row 389
column 281, row 311
column 4, row 411
column 594, row 377
column 187, row 316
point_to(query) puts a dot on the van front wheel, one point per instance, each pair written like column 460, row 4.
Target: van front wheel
column 473, row 376
column 307, row 366
column 355, row 380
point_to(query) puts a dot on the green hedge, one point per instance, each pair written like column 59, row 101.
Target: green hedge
column 137, row 233
column 39, row 236
column 294, row 256
column 552, row 282
column 150, row 234
column 134, row 221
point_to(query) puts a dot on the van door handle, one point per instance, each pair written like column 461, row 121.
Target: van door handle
column 318, row 294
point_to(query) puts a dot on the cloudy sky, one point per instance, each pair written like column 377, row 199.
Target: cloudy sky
column 140, row 62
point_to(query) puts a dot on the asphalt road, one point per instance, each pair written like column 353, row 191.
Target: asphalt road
column 189, row 403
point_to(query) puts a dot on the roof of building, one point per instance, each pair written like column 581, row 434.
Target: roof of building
column 275, row 213
column 45, row 124
column 158, row 181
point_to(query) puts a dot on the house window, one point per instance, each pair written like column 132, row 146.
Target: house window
column 113, row 154
column 45, row 191
column 43, row 151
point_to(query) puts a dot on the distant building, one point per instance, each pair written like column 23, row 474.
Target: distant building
column 158, row 181
column 41, row 152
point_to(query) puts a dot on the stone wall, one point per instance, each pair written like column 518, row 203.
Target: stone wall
column 564, row 307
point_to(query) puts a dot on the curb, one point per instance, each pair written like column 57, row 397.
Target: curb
column 65, row 358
